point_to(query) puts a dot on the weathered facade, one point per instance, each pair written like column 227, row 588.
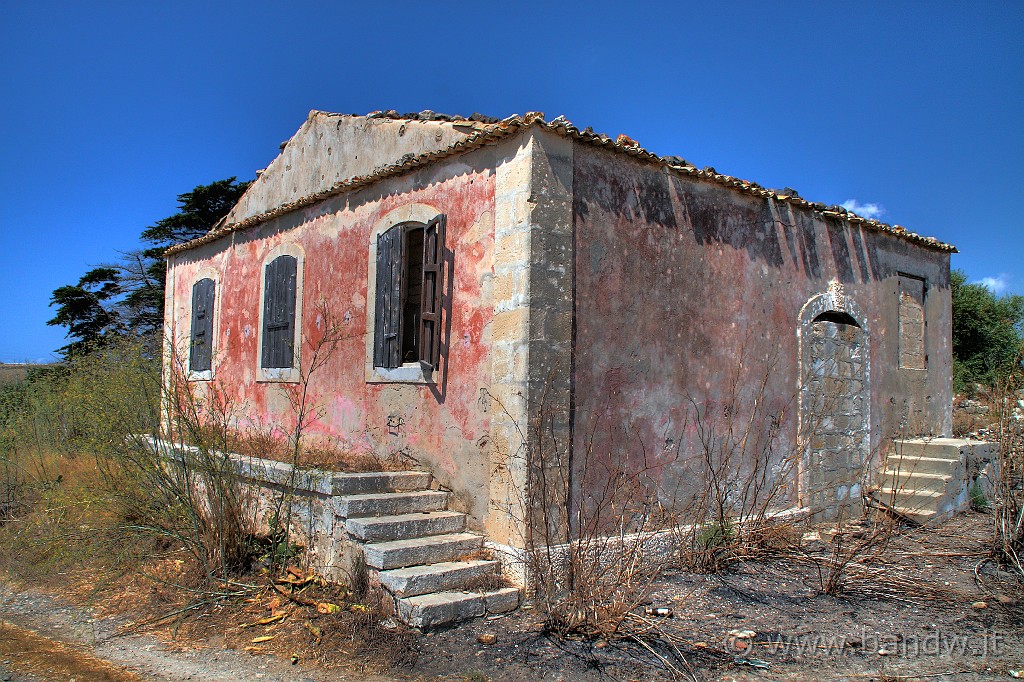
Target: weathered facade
column 586, row 293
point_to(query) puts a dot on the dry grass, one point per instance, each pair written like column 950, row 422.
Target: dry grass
column 317, row 453
column 66, row 520
column 12, row 373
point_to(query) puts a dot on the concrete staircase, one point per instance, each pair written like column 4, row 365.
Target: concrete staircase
column 418, row 551
column 928, row 480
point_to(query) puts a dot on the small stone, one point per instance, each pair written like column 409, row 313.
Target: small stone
column 487, row 638
column 979, row 605
column 601, row 644
column 883, row 652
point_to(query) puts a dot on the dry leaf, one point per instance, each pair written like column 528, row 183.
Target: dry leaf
column 271, row 619
column 265, row 638
column 327, row 607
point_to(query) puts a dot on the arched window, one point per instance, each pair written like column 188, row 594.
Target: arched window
column 280, row 314
column 279, row 325
column 200, row 357
column 407, row 315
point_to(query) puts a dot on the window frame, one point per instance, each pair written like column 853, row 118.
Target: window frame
column 418, row 215
column 204, row 375
column 281, row 374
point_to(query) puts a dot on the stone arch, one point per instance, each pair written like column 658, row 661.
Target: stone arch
column 833, row 337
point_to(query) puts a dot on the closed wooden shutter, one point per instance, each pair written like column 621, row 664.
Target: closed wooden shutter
column 433, row 285
column 201, row 347
column 279, row 313
column 387, row 339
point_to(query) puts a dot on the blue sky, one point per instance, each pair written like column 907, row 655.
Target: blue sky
column 112, row 109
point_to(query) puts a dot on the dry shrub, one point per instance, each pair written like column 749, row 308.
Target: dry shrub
column 1008, row 507
column 742, row 467
column 15, row 491
column 602, row 527
column 851, row 547
column 967, row 423
column 177, row 481
column 52, row 432
column 587, row 558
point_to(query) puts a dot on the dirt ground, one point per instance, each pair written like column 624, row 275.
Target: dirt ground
column 913, row 612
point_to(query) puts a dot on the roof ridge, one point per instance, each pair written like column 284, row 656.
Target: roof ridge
column 498, row 130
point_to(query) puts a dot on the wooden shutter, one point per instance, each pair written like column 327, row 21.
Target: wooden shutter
column 433, row 284
column 201, row 347
column 279, row 286
column 387, row 332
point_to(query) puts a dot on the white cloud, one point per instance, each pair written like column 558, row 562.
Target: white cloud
column 866, row 210
column 998, row 284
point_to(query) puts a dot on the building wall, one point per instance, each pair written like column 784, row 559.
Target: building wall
column 688, row 298
column 445, row 426
column 329, row 148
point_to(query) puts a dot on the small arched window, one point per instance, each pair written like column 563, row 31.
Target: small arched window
column 200, row 358
column 279, row 298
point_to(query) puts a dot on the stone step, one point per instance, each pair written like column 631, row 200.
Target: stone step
column 919, row 516
column 389, row 504
column 402, row 526
column 910, row 499
column 883, row 500
column 426, row 550
column 441, row 608
column 923, row 465
column 380, row 482
column 938, row 448
column 915, row 480
column 439, row 577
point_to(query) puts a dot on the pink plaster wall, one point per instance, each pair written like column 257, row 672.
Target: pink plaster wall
column 439, row 425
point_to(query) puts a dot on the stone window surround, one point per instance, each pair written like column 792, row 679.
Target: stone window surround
column 410, row 372
column 282, row 374
column 206, row 272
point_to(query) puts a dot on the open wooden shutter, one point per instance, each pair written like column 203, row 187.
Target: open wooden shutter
column 201, row 347
column 387, row 338
column 430, row 302
column 279, row 313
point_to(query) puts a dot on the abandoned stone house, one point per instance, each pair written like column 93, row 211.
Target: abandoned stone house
column 491, row 276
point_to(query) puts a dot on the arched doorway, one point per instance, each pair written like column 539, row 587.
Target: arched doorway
column 834, row 405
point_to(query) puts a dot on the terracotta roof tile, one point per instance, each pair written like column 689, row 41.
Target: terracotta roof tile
column 490, row 130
